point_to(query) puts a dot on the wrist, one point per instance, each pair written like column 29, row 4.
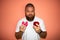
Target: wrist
column 39, row 31
column 21, row 31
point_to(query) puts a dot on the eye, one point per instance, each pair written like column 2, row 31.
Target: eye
column 27, row 11
column 32, row 11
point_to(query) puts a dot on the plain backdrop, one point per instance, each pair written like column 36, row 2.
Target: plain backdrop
column 13, row 10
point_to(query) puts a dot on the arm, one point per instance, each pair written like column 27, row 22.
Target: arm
column 18, row 35
column 42, row 34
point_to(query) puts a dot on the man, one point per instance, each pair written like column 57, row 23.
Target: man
column 30, row 27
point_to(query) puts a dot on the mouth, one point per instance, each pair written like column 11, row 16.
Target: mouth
column 30, row 15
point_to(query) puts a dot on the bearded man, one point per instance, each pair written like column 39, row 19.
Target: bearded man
column 30, row 27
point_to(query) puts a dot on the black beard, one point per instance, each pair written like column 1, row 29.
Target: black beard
column 30, row 18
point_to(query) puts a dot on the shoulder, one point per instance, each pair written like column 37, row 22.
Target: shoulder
column 39, row 19
column 20, row 20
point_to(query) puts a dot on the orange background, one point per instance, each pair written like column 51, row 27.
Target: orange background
column 13, row 10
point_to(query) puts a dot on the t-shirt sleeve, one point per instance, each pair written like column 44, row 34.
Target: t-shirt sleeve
column 18, row 26
column 42, row 25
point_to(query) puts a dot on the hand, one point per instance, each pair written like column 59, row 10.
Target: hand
column 37, row 28
column 22, row 28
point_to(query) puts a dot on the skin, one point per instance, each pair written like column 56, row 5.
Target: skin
column 41, row 33
column 19, row 34
column 30, row 12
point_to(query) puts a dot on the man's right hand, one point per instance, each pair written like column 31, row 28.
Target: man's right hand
column 20, row 33
column 22, row 28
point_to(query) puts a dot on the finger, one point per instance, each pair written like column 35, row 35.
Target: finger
column 34, row 26
column 21, row 26
column 24, row 28
column 37, row 25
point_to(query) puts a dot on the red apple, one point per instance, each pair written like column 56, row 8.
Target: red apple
column 36, row 23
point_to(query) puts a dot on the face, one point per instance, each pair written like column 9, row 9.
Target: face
column 30, row 13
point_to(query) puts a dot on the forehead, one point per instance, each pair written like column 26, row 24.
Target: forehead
column 29, row 8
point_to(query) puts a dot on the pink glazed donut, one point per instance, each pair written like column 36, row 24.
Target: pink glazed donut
column 25, row 23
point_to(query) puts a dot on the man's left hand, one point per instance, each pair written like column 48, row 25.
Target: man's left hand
column 37, row 28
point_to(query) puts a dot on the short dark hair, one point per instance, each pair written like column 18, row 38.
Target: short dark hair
column 29, row 5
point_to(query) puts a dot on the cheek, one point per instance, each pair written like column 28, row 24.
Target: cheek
column 33, row 13
column 27, row 13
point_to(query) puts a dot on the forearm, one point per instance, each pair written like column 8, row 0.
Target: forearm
column 18, row 35
column 42, row 34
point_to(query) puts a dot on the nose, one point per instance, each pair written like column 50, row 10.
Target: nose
column 30, row 12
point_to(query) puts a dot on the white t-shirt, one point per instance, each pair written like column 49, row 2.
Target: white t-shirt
column 30, row 33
